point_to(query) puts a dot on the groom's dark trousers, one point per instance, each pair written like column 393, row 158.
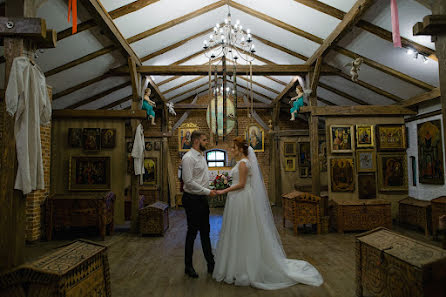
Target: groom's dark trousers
column 197, row 214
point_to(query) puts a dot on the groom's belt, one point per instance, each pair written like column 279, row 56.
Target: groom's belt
column 190, row 194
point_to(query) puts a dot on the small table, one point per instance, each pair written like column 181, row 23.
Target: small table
column 80, row 210
column 361, row 215
column 415, row 212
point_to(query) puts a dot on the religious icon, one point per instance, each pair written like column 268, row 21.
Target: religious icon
column 366, row 160
column 150, row 175
column 148, row 145
column 430, row 153
column 129, row 146
column 184, row 136
column 366, row 186
column 365, row 136
column 75, row 137
column 391, row 137
column 341, row 138
column 290, row 164
column 392, row 172
column 108, row 138
column 255, row 136
column 304, row 154
column 342, row 175
column 91, row 139
column 157, row 145
column 89, row 173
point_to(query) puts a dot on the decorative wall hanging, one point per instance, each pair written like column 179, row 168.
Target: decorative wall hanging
column 184, row 136
column 289, row 148
column 148, row 145
column 75, row 137
column 366, row 186
column 430, row 153
column 214, row 120
column 342, row 175
column 108, row 138
column 304, row 154
column 255, row 136
column 392, row 171
column 391, row 137
column 365, row 136
column 290, row 164
column 89, row 173
column 151, row 169
column 366, row 160
column 341, row 137
column 91, row 139
column 157, row 145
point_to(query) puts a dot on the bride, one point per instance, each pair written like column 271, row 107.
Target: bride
column 249, row 250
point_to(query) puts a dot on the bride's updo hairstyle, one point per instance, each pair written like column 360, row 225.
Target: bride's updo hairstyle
column 240, row 142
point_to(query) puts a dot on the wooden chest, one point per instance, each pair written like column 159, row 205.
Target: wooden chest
column 438, row 209
column 77, row 270
column 415, row 212
column 301, row 208
column 80, row 210
column 389, row 264
column 360, row 215
column 154, row 219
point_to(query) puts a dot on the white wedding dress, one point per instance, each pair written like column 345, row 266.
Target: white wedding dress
column 249, row 251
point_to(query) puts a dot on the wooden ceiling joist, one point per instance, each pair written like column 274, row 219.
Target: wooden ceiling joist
column 81, row 60
column 157, row 90
column 342, row 94
column 188, row 106
column 259, row 84
column 80, row 86
column 99, row 13
column 129, row 8
column 435, row 93
column 183, row 84
column 381, row 110
column 88, row 24
column 376, row 30
column 325, row 101
column 175, row 22
column 241, row 69
column 99, row 96
column 116, row 103
column 98, row 114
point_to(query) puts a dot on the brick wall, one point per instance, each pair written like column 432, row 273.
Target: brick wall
column 35, row 199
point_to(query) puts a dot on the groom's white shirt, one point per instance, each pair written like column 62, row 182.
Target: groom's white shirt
column 195, row 173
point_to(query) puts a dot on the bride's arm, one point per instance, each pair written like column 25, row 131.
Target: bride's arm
column 243, row 173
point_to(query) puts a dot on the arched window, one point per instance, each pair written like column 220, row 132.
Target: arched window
column 216, row 158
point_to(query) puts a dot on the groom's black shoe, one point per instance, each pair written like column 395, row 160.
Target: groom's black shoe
column 211, row 268
column 190, row 271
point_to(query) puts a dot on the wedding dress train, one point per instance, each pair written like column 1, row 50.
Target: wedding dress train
column 249, row 251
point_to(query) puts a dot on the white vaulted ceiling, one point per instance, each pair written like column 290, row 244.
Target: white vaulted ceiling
column 263, row 17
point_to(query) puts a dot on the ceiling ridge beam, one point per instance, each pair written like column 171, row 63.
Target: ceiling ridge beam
column 81, row 60
column 99, row 96
column 115, row 103
column 349, row 20
column 80, row 86
column 385, row 69
column 177, row 76
column 175, row 22
column 371, row 28
column 129, row 8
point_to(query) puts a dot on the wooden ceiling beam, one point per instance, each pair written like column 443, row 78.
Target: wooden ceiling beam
column 120, row 101
column 88, row 24
column 157, row 90
column 81, row 60
column 325, row 101
column 241, row 69
column 129, row 8
column 349, row 20
column 259, row 84
column 342, row 94
column 189, row 106
column 371, row 28
column 175, row 22
column 80, row 86
column 98, row 114
column 183, row 84
column 99, row 96
column 435, row 93
column 280, row 48
column 357, row 110
column 99, row 12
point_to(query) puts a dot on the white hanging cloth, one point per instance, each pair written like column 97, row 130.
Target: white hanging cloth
column 138, row 153
column 27, row 99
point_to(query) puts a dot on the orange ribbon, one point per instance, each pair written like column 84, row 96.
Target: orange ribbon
column 72, row 8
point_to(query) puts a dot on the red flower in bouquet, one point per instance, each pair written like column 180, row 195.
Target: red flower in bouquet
column 221, row 182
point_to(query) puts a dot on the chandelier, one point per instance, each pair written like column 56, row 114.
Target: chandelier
column 228, row 41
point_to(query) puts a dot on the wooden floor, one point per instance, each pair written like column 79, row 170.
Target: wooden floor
column 153, row 266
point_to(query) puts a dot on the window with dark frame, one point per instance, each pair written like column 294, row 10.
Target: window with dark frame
column 216, row 158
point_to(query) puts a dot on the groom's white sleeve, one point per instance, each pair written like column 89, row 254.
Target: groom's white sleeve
column 188, row 179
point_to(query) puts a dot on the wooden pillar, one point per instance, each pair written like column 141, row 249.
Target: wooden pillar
column 223, row 59
column 12, row 202
column 164, row 157
column 314, row 133
column 134, row 180
column 275, row 186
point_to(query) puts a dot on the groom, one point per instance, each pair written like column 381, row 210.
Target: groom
column 196, row 180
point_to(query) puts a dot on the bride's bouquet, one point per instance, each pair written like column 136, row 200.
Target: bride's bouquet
column 221, row 181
